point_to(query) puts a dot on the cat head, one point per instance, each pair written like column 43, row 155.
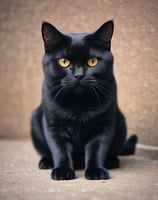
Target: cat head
column 78, row 66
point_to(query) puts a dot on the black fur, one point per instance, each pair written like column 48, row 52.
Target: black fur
column 78, row 123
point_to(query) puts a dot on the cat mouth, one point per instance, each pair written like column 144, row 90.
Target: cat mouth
column 77, row 90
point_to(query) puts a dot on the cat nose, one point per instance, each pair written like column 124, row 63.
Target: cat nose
column 79, row 77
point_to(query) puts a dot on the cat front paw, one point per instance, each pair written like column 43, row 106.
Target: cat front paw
column 63, row 174
column 113, row 163
column 46, row 163
column 96, row 174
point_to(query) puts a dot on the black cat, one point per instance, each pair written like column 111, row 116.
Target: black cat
column 78, row 123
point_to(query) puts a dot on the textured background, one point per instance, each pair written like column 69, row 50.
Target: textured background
column 134, row 46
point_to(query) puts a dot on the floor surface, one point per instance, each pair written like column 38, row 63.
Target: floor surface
column 20, row 178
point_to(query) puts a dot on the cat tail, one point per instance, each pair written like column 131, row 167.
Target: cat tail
column 130, row 146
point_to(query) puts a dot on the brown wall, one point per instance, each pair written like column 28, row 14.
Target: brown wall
column 134, row 46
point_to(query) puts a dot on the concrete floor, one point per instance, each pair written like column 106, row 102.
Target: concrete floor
column 21, row 179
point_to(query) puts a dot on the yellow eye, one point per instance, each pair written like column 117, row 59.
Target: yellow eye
column 64, row 62
column 92, row 62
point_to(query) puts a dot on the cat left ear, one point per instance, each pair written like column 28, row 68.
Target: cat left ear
column 105, row 32
column 50, row 34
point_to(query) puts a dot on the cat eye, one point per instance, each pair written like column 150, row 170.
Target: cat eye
column 92, row 62
column 64, row 62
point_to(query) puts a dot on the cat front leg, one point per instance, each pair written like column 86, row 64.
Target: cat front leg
column 95, row 155
column 62, row 157
column 61, row 150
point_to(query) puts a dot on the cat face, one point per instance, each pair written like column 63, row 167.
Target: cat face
column 78, row 66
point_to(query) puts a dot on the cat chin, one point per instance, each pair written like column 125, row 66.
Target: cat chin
column 77, row 90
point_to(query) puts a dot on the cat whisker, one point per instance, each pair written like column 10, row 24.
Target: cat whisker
column 60, row 91
column 96, row 94
column 53, row 89
column 54, row 82
column 100, row 90
column 104, row 87
column 90, row 80
column 101, row 82
column 100, row 85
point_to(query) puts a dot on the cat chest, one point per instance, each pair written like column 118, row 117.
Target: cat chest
column 76, row 135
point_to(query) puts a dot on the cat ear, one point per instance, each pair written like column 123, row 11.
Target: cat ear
column 50, row 34
column 105, row 32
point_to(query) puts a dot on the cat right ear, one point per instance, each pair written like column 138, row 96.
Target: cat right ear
column 51, row 36
column 105, row 32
